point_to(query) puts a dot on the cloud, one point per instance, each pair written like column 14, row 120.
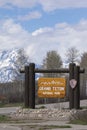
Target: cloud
column 30, row 16
column 12, row 35
column 47, row 5
column 18, row 3
column 50, row 5
column 42, row 31
column 60, row 37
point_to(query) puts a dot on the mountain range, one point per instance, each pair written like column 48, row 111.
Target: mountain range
column 9, row 68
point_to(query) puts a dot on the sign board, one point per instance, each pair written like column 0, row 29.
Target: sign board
column 73, row 83
column 51, row 87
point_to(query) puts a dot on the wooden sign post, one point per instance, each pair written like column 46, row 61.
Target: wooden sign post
column 52, row 87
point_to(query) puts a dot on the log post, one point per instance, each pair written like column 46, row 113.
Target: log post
column 71, row 91
column 32, row 85
column 77, row 88
column 26, row 95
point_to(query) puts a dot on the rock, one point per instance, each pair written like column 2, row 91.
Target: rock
column 49, row 114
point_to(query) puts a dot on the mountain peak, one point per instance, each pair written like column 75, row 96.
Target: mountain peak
column 7, row 60
column 9, row 68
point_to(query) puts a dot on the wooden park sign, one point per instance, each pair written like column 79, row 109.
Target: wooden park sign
column 51, row 87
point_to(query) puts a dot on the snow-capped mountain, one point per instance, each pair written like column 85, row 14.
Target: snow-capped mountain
column 9, row 67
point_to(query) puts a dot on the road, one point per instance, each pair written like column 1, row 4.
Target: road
column 8, row 110
column 63, row 105
column 9, row 127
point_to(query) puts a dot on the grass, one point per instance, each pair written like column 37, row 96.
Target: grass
column 49, row 127
column 4, row 118
column 41, row 107
column 57, row 126
column 78, row 122
column 83, row 107
column 10, row 105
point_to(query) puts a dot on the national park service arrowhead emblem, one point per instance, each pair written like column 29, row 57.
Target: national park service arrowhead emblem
column 73, row 83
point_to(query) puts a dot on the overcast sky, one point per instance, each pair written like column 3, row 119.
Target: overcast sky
column 43, row 25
